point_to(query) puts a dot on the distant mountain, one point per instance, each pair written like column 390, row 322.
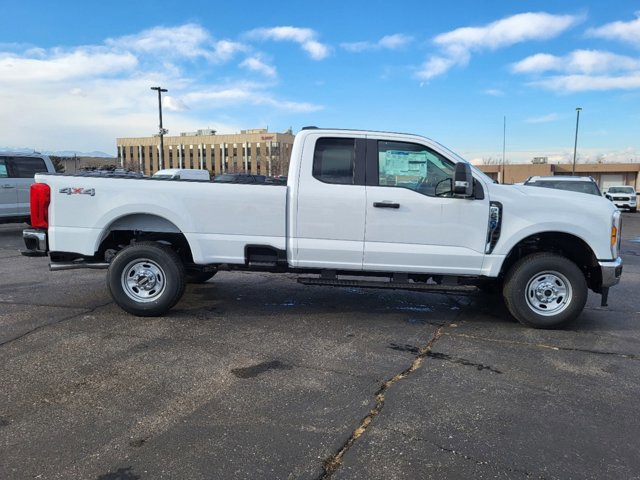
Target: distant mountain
column 58, row 153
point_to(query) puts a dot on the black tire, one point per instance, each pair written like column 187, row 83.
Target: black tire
column 633, row 210
column 198, row 277
column 545, row 290
column 146, row 279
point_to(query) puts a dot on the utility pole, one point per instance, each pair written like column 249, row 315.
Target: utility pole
column 162, row 131
column 575, row 146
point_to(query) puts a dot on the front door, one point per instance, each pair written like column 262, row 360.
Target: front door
column 414, row 223
column 8, row 191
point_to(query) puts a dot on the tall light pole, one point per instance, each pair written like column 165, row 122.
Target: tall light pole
column 162, row 131
column 575, row 146
column 504, row 145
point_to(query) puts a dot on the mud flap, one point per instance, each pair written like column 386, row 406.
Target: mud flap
column 605, row 297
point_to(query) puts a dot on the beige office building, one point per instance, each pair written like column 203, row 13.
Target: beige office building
column 257, row 151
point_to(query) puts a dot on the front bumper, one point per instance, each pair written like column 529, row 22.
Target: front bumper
column 36, row 242
column 624, row 202
column 611, row 272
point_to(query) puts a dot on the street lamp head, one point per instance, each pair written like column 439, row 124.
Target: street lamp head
column 578, row 109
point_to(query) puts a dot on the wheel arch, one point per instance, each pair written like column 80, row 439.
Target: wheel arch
column 138, row 227
column 566, row 244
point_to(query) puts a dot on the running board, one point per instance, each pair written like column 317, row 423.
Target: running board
column 424, row 287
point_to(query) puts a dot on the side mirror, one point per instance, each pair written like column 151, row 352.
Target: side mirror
column 462, row 180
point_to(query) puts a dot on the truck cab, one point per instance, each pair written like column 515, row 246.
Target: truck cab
column 17, row 172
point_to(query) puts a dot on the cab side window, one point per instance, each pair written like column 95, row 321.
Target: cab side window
column 414, row 166
column 334, row 160
column 27, row 167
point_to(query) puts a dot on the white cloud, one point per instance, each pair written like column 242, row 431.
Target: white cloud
column 256, row 64
column 551, row 117
column 64, row 65
column 628, row 32
column 582, row 71
column 388, row 42
column 189, row 41
column 245, row 93
column 306, row 37
column 185, row 40
column 578, row 61
column 174, row 104
column 457, row 45
column 83, row 98
column 435, row 66
column 224, row 50
column 494, row 92
column 589, row 83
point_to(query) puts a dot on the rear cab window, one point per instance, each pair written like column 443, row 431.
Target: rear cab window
column 339, row 161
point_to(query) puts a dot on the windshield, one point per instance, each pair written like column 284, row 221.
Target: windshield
column 580, row 187
column 621, row 190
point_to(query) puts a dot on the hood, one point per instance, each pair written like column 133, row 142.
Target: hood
column 551, row 199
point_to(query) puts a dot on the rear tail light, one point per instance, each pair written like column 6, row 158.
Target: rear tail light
column 40, row 196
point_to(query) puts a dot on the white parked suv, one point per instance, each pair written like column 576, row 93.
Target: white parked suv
column 623, row 196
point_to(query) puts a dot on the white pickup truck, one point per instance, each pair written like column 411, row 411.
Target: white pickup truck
column 386, row 210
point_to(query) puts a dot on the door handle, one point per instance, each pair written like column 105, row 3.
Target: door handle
column 8, row 185
column 386, row 205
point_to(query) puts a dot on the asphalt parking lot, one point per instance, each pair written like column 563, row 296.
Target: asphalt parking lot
column 256, row 376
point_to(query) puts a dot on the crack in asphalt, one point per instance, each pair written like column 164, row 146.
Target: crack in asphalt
column 491, row 465
column 57, row 322
column 630, row 356
column 333, row 463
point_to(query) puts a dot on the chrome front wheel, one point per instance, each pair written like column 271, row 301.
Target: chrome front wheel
column 545, row 290
column 548, row 293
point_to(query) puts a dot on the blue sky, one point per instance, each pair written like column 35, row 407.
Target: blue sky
column 76, row 75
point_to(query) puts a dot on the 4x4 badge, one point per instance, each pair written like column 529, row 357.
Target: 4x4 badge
column 78, row 191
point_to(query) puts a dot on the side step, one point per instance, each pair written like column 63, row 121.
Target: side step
column 424, row 287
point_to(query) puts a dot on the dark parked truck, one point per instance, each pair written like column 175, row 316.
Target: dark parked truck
column 387, row 210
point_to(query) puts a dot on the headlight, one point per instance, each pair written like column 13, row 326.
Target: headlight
column 616, row 233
